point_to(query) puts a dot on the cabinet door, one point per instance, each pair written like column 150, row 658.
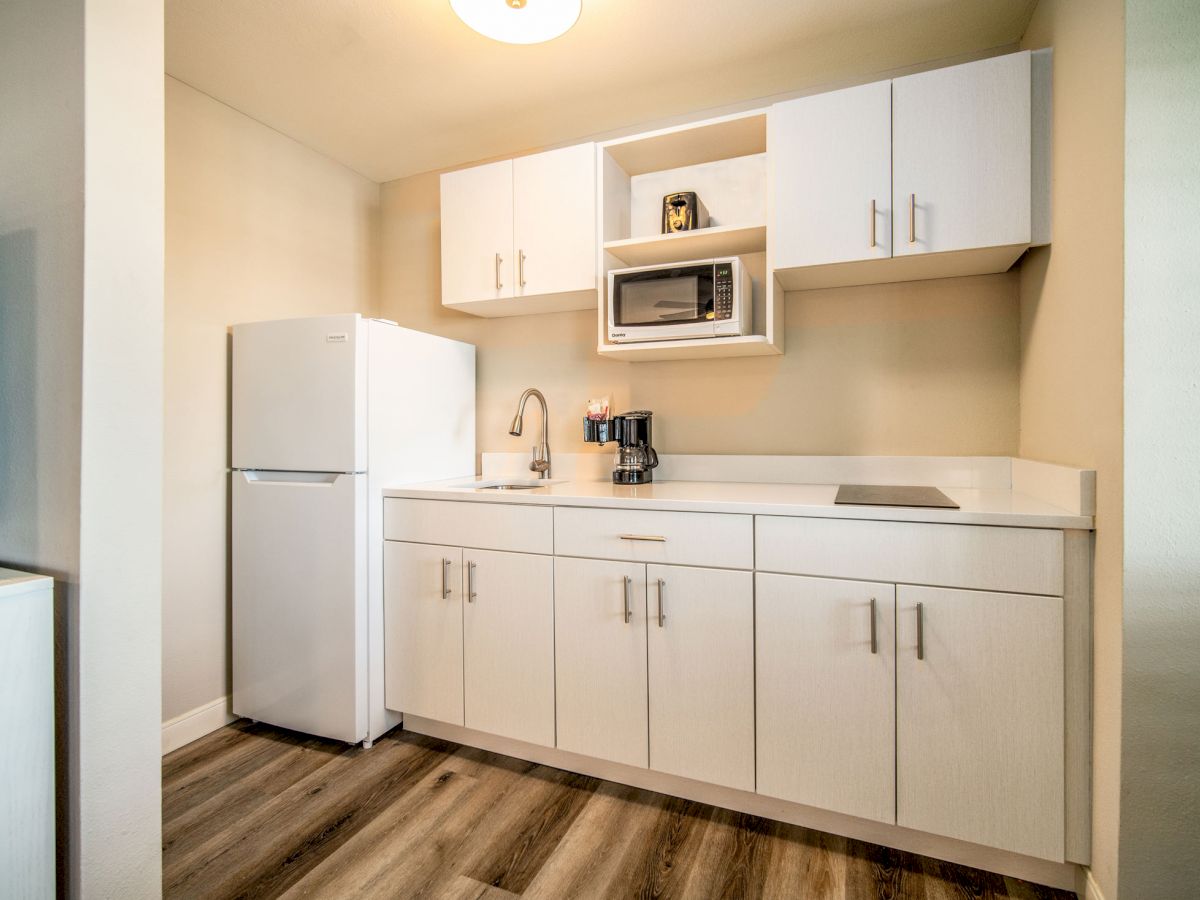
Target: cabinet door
column 423, row 622
column 979, row 715
column 700, row 636
column 825, row 664
column 600, row 658
column 831, row 176
column 554, row 210
column 508, row 641
column 961, row 156
column 477, row 233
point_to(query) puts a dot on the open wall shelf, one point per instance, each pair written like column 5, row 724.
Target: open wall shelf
column 724, row 161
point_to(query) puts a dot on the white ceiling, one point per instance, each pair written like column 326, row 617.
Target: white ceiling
column 396, row 87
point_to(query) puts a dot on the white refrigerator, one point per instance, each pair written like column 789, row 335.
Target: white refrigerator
column 326, row 412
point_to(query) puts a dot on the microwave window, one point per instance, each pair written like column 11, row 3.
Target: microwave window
column 663, row 301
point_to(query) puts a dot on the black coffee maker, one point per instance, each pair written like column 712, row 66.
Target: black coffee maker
column 635, row 457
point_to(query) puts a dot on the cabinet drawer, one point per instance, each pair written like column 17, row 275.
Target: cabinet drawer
column 681, row 538
column 487, row 526
column 1023, row 560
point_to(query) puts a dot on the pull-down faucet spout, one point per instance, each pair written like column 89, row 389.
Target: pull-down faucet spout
column 541, row 453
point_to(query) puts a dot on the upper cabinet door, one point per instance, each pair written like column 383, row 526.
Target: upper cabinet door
column 477, row 234
column 962, row 157
column 979, row 716
column 831, row 176
column 554, row 197
column 826, row 701
column 700, row 625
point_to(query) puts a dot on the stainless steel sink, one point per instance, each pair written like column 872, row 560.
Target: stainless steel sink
column 514, row 485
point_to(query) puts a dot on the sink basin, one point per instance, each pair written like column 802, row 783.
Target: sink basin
column 513, row 485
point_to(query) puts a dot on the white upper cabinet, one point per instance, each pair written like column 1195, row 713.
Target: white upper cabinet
column 477, row 234
column 979, row 715
column 950, row 167
column 831, row 168
column 554, row 215
column 519, row 236
column 961, row 148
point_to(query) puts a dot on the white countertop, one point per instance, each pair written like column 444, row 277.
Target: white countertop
column 978, row 506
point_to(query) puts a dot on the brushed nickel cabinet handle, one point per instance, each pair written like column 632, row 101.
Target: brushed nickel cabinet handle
column 662, row 597
column 499, row 283
column 872, row 222
column 628, row 608
column 912, row 218
column 920, row 631
column 521, row 266
column 643, row 537
column 445, row 582
column 471, row 595
column 874, row 637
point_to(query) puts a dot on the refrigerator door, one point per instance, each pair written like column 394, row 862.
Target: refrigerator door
column 299, row 395
column 300, row 601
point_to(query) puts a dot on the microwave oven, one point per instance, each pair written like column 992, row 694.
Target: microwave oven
column 680, row 301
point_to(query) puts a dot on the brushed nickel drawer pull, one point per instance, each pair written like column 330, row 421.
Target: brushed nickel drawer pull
column 874, row 638
column 643, row 537
column 521, row 266
column 912, row 218
column 662, row 597
column 445, row 583
column 499, row 283
column 471, row 595
column 872, row 222
column 920, row 631
column 628, row 609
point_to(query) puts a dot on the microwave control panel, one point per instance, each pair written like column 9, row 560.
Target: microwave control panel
column 723, row 291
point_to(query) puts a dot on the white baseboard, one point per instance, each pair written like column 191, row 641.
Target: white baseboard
column 195, row 724
column 1091, row 890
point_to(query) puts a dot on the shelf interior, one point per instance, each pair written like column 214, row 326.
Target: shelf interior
column 692, row 144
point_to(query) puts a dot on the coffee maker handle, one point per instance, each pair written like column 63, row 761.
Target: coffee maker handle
column 653, row 464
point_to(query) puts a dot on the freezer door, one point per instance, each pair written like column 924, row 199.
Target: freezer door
column 299, row 395
column 299, row 601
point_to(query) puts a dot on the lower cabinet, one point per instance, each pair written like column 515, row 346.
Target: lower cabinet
column 700, row 651
column 979, row 711
column 826, row 700
column 423, row 630
column 600, row 655
column 508, row 644
column 469, row 638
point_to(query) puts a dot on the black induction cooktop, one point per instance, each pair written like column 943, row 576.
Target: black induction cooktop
column 893, row 495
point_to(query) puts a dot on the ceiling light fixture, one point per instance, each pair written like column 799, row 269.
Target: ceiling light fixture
column 519, row 21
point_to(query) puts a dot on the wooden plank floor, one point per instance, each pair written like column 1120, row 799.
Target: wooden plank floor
column 253, row 811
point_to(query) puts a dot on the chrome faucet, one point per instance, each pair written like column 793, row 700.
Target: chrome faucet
column 541, row 453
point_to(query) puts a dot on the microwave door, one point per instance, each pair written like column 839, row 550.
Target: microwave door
column 664, row 303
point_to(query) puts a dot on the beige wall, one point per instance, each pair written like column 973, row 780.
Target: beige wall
column 1071, row 340
column 258, row 227
column 926, row 367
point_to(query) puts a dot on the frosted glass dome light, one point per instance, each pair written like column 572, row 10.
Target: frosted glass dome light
column 519, row 21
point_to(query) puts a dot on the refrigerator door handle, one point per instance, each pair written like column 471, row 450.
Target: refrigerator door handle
column 314, row 479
